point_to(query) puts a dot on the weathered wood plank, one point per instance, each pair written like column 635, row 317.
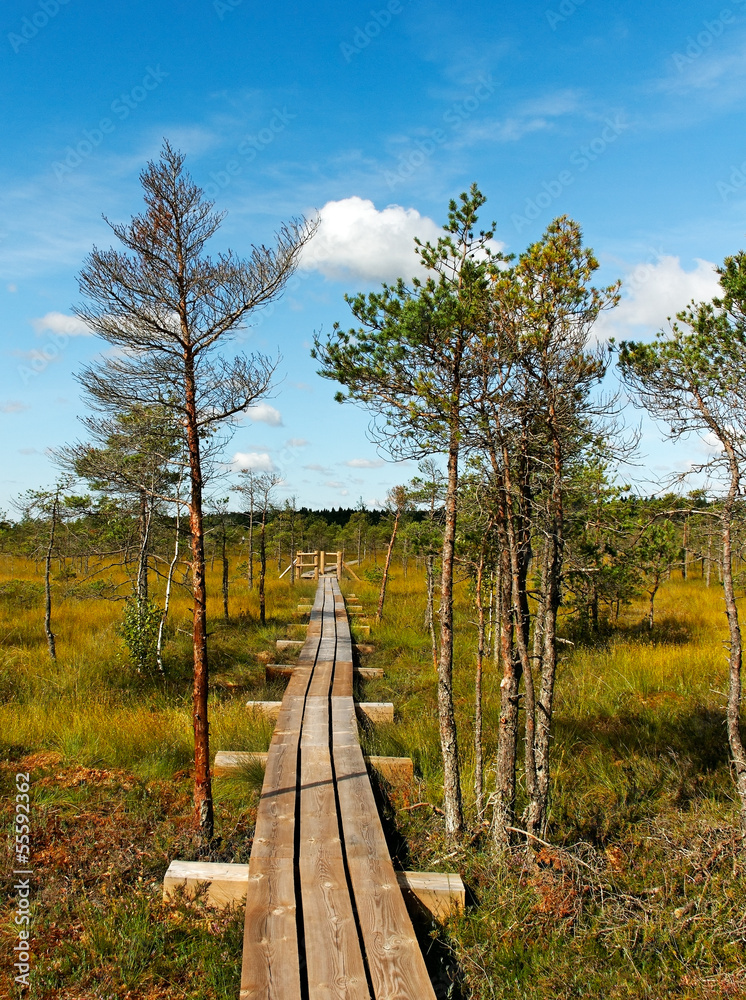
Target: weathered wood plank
column 274, row 834
column 376, row 711
column 270, row 968
column 441, row 893
column 269, row 709
column 225, row 883
column 334, row 960
column 396, row 964
column 360, row 823
column 393, row 769
column 235, row 761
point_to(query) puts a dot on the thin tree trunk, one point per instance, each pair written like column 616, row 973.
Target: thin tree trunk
column 146, row 509
column 225, row 576
column 51, row 645
column 167, row 599
column 251, row 548
column 507, row 747
column 385, row 577
column 430, row 610
column 203, row 805
column 452, row 806
column 478, row 749
column 262, row 570
column 733, row 712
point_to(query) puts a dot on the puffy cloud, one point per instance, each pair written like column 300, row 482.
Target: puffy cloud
column 57, row 322
column 651, row 292
column 257, row 460
column 296, row 443
column 364, row 463
column 355, row 239
column 265, row 414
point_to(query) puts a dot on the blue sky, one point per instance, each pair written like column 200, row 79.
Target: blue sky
column 628, row 117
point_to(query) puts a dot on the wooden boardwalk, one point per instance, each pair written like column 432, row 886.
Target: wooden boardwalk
column 325, row 917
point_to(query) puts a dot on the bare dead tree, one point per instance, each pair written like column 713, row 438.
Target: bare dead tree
column 166, row 306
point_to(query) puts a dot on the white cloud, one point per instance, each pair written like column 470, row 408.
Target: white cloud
column 265, row 414
column 364, row 463
column 334, row 485
column 57, row 322
column 355, row 239
column 257, row 460
column 12, row 406
column 296, row 443
column 651, row 292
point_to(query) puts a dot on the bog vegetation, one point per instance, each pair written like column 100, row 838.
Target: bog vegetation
column 564, row 653
column 639, row 893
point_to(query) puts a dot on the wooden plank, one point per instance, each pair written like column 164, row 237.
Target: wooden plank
column 319, row 826
column 376, row 711
column 274, row 834
column 334, row 960
column 360, row 822
column 226, row 884
column 283, row 645
column 278, row 672
column 269, row 709
column 235, row 761
column 227, row 762
column 394, row 957
column 316, row 725
column 270, row 968
column 442, row 894
column 369, row 673
column 395, row 960
column 393, row 769
column 344, row 724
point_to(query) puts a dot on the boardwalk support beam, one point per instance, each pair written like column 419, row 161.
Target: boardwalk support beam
column 440, row 894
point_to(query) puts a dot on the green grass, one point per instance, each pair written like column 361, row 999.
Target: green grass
column 642, row 893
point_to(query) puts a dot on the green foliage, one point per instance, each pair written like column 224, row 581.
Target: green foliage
column 139, row 632
column 22, row 593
